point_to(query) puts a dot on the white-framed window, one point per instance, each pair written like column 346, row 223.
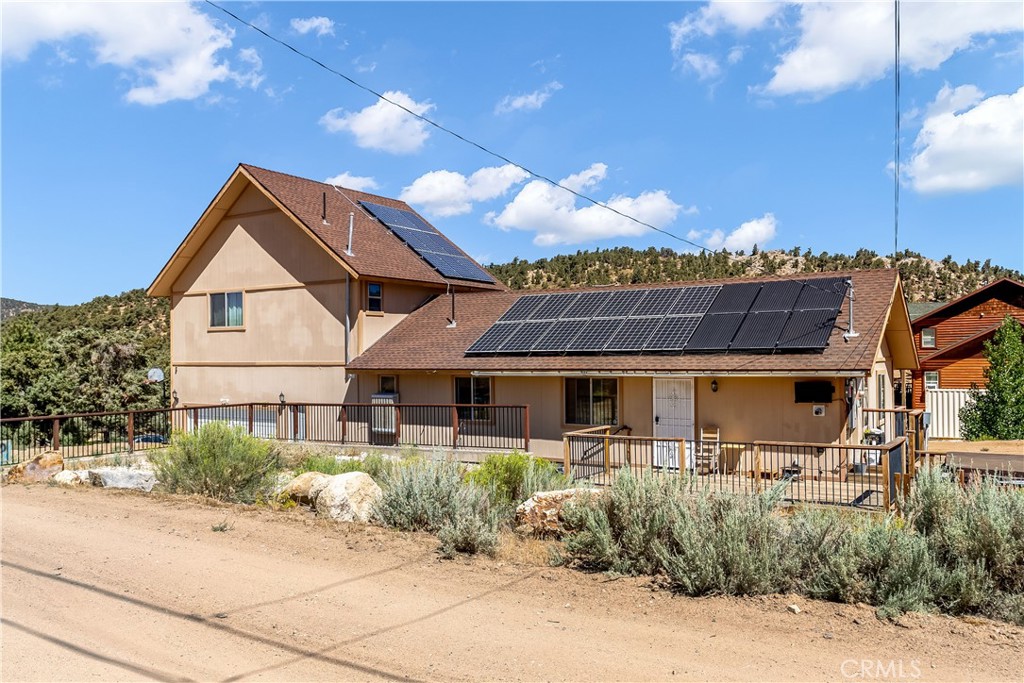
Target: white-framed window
column 375, row 297
column 590, row 401
column 927, row 337
column 473, row 391
column 226, row 309
column 387, row 384
column 882, row 390
column 931, row 379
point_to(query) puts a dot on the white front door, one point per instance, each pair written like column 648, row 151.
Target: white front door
column 673, row 420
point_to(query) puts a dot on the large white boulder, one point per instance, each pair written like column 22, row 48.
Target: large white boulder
column 541, row 514
column 134, row 478
column 348, row 497
column 71, row 478
column 301, row 488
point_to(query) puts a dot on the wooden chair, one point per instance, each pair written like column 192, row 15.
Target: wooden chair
column 708, row 450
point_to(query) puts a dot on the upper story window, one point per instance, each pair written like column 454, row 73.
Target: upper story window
column 591, row 401
column 927, row 337
column 226, row 309
column 931, row 380
column 374, row 297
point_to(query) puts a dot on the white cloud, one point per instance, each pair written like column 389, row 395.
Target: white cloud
column 382, row 125
column 735, row 55
column 447, row 193
column 254, row 76
column 529, row 101
column 322, row 26
column 757, row 231
column 968, row 144
column 171, row 51
column 704, row 65
column 842, row 45
column 551, row 212
column 716, row 16
column 359, row 183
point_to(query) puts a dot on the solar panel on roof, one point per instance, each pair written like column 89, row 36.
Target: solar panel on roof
column 559, row 335
column 672, row 333
column 428, row 243
column 523, row 307
column 491, row 340
column 779, row 295
column 620, row 304
column 735, row 298
column 760, row 331
column 594, row 334
column 526, row 336
column 658, row 301
column 808, row 329
column 715, row 332
column 694, row 301
column 633, row 334
column 553, row 308
column 822, row 293
column 586, row 305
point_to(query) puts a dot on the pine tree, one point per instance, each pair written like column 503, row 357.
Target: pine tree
column 998, row 412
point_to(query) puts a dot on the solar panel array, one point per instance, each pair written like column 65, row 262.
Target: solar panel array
column 749, row 317
column 428, row 243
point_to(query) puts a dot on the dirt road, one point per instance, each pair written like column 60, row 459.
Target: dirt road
column 105, row 586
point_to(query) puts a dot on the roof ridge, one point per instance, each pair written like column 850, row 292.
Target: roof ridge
column 320, row 182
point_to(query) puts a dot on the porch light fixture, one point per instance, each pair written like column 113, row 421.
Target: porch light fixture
column 280, row 397
column 714, row 386
column 174, row 397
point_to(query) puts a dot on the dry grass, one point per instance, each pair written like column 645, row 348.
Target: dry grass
column 525, row 550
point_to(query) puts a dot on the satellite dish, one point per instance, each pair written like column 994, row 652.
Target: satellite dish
column 155, row 375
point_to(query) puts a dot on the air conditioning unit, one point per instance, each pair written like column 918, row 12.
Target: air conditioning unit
column 383, row 413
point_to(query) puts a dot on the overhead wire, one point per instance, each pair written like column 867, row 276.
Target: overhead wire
column 473, row 143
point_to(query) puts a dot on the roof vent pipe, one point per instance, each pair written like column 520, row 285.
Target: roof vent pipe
column 850, row 332
column 451, row 321
column 351, row 224
column 323, row 212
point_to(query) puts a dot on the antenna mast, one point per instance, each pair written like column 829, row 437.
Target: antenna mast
column 896, row 141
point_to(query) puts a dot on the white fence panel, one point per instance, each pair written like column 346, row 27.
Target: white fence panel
column 945, row 405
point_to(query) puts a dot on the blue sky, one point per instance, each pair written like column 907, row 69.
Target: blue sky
column 728, row 124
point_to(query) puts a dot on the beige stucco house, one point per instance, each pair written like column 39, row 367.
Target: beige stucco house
column 281, row 282
column 266, row 284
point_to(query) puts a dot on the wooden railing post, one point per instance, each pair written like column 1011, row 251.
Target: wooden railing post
column 344, row 423
column 56, row 434
column 455, row 427
column 757, row 467
column 398, row 424
column 566, row 466
column 252, row 419
column 526, row 428
column 886, row 492
column 295, row 423
column 131, row 432
column 607, row 452
column 195, row 419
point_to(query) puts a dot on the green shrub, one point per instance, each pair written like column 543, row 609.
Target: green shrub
column 373, row 464
column 220, row 462
column 514, row 477
column 434, row 496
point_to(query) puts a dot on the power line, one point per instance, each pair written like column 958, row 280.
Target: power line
column 458, row 136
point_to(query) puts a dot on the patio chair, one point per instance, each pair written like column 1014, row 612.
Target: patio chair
column 708, row 451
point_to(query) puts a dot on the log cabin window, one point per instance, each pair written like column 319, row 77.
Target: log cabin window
column 388, row 384
column 928, row 338
column 374, row 297
column 881, row 392
column 931, row 380
column 473, row 391
column 226, row 309
column 591, row 401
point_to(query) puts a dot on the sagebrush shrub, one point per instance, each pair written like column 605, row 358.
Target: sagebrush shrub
column 514, row 477
column 373, row 464
column 221, row 462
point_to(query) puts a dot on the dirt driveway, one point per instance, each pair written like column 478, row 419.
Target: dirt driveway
column 99, row 585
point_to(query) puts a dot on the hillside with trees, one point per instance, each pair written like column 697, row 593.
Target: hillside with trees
column 84, row 358
column 12, row 307
column 924, row 279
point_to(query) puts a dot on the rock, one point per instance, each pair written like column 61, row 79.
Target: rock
column 794, row 609
column 348, row 497
column 71, row 477
column 137, row 479
column 300, row 489
column 541, row 515
column 39, row 468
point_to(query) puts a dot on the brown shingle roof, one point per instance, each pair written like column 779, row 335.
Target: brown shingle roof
column 376, row 252
column 424, row 342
